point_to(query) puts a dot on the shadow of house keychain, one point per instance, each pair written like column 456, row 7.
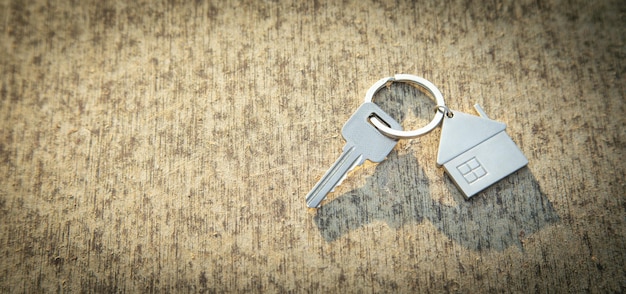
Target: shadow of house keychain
column 475, row 151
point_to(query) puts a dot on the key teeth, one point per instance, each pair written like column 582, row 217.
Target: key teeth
column 339, row 183
column 356, row 163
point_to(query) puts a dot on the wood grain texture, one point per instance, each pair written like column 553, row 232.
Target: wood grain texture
column 167, row 147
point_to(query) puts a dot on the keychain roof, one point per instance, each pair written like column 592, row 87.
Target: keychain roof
column 455, row 130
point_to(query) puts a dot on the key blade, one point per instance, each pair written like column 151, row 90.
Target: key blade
column 350, row 158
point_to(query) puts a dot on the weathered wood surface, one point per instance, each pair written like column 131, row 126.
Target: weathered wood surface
column 168, row 146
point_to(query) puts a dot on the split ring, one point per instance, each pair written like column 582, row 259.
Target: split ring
column 411, row 79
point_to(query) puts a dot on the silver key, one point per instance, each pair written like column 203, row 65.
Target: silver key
column 363, row 141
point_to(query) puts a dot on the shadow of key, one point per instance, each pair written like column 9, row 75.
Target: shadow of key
column 378, row 199
column 382, row 197
column 495, row 219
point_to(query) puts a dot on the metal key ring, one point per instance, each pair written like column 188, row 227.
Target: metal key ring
column 399, row 134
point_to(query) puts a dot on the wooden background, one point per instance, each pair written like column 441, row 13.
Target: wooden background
column 164, row 146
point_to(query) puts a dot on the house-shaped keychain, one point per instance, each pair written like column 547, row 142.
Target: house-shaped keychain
column 476, row 151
